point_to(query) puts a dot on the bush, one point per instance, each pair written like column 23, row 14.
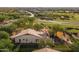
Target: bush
column 6, row 44
column 2, row 18
column 25, row 22
column 38, row 26
column 9, row 29
column 45, row 43
column 4, row 35
column 75, row 46
column 13, row 16
column 55, row 28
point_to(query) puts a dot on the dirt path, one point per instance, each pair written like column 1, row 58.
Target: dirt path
column 31, row 14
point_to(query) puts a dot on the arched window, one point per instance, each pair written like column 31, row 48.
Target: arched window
column 37, row 40
column 19, row 40
column 26, row 40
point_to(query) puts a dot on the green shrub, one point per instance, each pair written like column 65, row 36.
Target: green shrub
column 9, row 28
column 4, row 35
column 6, row 44
column 45, row 43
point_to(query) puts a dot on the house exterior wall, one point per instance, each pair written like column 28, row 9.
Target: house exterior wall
column 26, row 39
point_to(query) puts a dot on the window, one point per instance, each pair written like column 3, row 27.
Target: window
column 26, row 40
column 19, row 40
column 37, row 40
column 23, row 39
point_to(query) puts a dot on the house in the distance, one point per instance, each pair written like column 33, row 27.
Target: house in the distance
column 29, row 36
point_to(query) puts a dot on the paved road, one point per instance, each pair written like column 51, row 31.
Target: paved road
column 31, row 14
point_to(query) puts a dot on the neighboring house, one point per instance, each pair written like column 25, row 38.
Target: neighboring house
column 29, row 36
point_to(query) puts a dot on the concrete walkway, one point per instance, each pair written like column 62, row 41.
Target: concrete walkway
column 46, row 50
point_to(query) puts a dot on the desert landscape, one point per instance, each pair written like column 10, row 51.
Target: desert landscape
column 39, row 29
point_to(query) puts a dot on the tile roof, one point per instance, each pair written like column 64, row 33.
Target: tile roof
column 28, row 31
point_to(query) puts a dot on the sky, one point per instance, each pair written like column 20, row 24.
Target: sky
column 39, row 3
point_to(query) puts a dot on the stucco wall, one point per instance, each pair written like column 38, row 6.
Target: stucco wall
column 26, row 39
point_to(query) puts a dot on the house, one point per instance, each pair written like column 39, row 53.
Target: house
column 29, row 36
